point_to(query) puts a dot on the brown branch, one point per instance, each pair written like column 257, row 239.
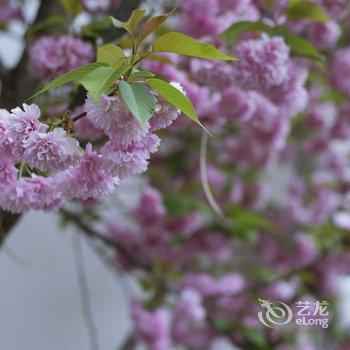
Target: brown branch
column 85, row 297
column 94, row 234
column 7, row 222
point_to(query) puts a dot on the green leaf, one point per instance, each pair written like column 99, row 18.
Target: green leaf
column 174, row 97
column 72, row 76
column 141, row 74
column 302, row 47
column 182, row 44
column 305, row 9
column 72, row 7
column 298, row 45
column 110, row 54
column 334, row 96
column 139, row 100
column 132, row 22
column 233, row 34
column 136, row 17
column 157, row 58
column 120, row 24
column 244, row 219
column 153, row 24
column 100, row 80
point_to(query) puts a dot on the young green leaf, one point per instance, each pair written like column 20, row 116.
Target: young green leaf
column 305, row 9
column 120, row 24
column 100, row 80
column 72, row 7
column 182, row 44
column 153, row 24
column 136, row 17
column 72, row 76
column 156, row 58
column 132, row 22
column 302, row 47
column 174, row 97
column 110, row 54
column 140, row 75
column 233, row 34
column 139, row 100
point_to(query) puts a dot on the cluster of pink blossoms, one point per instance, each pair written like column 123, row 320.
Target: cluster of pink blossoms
column 51, row 166
column 281, row 154
column 51, row 56
column 278, row 168
column 190, row 247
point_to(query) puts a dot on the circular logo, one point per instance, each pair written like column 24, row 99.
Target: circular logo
column 274, row 313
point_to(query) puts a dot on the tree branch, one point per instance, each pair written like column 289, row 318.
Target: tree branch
column 85, row 294
column 7, row 222
column 93, row 234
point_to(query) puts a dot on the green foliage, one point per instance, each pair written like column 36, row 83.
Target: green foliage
column 100, row 80
column 139, row 100
column 141, row 75
column 334, row 96
column 247, row 222
column 298, row 45
column 305, row 9
column 233, row 33
column 302, row 47
column 73, row 76
column 175, row 42
column 111, row 54
column 131, row 24
column 174, row 97
column 153, row 24
column 111, row 63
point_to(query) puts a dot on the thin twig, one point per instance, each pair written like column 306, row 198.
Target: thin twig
column 204, row 176
column 85, row 294
column 14, row 257
column 90, row 232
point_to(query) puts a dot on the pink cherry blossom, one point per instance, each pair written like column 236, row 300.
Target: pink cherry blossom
column 88, row 179
column 50, row 151
column 111, row 115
